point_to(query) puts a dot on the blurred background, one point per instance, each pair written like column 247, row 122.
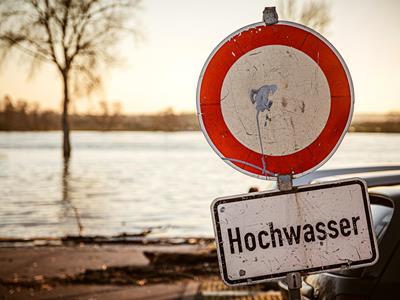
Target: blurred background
column 98, row 129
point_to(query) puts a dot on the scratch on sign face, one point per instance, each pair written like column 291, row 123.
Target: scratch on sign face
column 262, row 103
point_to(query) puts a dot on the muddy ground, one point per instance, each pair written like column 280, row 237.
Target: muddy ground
column 121, row 268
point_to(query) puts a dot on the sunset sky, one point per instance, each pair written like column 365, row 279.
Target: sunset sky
column 162, row 70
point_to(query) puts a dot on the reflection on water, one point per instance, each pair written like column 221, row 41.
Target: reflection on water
column 66, row 200
column 130, row 181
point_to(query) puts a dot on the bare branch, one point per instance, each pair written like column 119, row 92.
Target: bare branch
column 86, row 81
column 19, row 42
column 316, row 15
column 46, row 20
column 78, row 36
column 313, row 13
column 111, row 22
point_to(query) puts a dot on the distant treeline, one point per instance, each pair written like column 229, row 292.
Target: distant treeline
column 23, row 116
column 389, row 125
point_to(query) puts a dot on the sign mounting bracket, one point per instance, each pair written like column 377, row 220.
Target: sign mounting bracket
column 293, row 280
column 270, row 16
column 285, row 182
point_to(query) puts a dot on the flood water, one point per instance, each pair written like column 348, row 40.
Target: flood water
column 128, row 181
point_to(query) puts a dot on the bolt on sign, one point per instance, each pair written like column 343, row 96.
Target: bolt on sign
column 274, row 101
column 314, row 228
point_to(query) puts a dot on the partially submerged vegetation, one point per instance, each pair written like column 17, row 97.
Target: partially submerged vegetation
column 21, row 115
column 389, row 122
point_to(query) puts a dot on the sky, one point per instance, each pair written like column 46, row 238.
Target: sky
column 162, row 70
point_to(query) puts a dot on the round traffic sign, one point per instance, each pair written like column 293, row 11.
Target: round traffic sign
column 275, row 100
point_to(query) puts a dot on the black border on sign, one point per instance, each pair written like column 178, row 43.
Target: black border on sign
column 246, row 197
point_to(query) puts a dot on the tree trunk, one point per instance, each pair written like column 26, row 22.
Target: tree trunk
column 65, row 119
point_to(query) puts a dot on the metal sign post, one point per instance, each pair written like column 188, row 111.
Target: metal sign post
column 294, row 285
column 285, row 182
column 293, row 280
column 274, row 101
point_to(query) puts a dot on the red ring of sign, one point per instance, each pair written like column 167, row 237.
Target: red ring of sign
column 291, row 35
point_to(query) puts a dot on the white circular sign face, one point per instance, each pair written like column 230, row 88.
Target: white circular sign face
column 275, row 100
column 298, row 100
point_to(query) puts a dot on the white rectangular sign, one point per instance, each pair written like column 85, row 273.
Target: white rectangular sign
column 310, row 229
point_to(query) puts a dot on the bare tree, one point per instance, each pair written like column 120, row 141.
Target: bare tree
column 314, row 14
column 76, row 36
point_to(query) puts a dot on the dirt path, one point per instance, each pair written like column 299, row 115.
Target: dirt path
column 116, row 272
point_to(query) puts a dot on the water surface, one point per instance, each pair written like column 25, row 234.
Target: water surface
column 128, row 181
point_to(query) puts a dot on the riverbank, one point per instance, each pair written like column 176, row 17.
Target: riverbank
column 27, row 116
column 140, row 269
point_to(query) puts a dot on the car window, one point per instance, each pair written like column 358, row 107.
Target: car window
column 381, row 216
